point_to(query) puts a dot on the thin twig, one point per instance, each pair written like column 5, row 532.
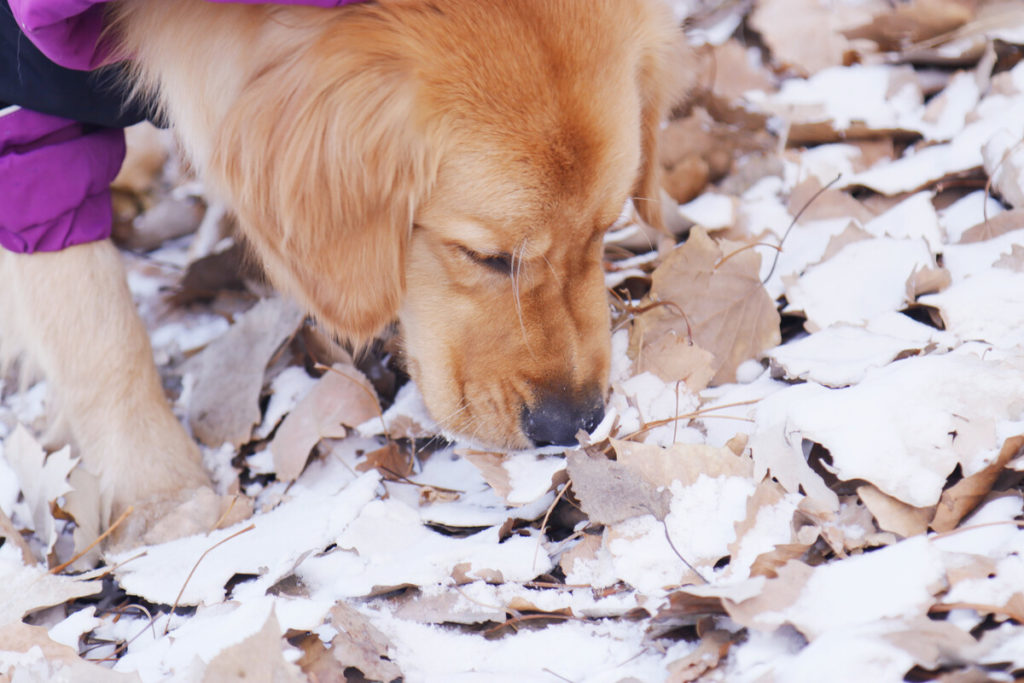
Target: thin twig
column 99, row 539
column 680, row 555
column 547, row 516
column 196, row 566
column 821, row 191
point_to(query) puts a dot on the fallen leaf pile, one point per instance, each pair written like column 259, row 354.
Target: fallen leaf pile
column 810, row 468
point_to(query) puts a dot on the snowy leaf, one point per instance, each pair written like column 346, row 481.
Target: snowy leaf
column 1004, row 163
column 928, row 414
column 43, row 479
column 30, row 655
column 985, row 307
column 824, row 298
column 839, row 355
column 897, row 580
column 716, row 296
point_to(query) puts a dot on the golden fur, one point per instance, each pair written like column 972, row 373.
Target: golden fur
column 449, row 163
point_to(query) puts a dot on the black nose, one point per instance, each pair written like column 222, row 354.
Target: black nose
column 555, row 418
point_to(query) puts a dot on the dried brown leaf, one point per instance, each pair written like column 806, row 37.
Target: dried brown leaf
column 610, row 492
column 994, row 226
column 260, row 657
column 806, row 35
column 343, row 396
column 776, row 595
column 712, row 649
column 717, row 296
column 934, row 644
column 360, row 644
column 927, row 281
column 686, row 178
column 893, row 514
column 914, row 22
column 392, row 463
column 229, row 372
column 828, row 204
column 675, row 359
column 768, row 564
column 1012, row 261
column 962, row 497
column 585, row 550
column 733, row 73
column 491, row 469
column 852, row 233
column 317, row 662
column 682, row 462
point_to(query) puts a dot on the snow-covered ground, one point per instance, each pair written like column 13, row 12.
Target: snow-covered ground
column 809, row 469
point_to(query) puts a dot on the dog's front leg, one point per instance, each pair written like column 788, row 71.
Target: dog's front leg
column 70, row 314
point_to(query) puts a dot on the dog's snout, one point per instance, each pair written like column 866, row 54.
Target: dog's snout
column 555, row 419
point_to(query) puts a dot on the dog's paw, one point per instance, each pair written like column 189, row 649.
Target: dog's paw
column 186, row 513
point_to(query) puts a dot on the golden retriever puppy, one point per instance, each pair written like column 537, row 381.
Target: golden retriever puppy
column 452, row 164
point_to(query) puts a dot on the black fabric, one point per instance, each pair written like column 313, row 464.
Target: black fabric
column 28, row 79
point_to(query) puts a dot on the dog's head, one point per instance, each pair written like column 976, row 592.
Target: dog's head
column 455, row 164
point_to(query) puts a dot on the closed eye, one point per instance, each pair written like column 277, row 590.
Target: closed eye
column 499, row 263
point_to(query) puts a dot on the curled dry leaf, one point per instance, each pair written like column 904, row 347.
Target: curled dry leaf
column 716, row 296
column 343, row 396
column 713, row 647
column 893, row 514
column 960, row 499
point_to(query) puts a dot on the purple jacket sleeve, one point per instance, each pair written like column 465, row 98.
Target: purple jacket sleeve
column 56, row 178
column 68, row 31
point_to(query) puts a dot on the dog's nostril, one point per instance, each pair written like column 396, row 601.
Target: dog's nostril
column 554, row 421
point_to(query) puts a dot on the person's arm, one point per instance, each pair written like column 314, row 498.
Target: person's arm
column 69, row 31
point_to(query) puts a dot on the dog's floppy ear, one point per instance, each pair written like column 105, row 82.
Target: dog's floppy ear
column 661, row 83
column 325, row 165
